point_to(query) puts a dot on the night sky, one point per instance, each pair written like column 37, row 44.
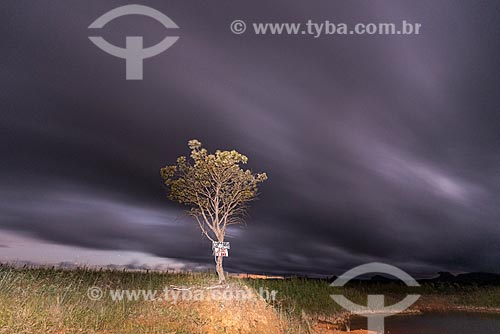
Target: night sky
column 377, row 148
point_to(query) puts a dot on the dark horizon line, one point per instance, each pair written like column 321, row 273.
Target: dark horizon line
column 442, row 276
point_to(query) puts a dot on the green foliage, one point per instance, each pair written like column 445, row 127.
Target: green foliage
column 214, row 186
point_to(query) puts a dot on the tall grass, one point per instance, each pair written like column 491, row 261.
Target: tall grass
column 298, row 296
column 49, row 300
column 55, row 301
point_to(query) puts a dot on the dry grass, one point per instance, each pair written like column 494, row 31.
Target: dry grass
column 55, row 301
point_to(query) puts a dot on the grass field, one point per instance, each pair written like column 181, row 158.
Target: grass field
column 57, row 301
column 297, row 296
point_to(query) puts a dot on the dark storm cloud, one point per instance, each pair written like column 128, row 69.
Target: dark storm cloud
column 377, row 147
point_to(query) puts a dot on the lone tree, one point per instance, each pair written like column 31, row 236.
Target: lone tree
column 216, row 189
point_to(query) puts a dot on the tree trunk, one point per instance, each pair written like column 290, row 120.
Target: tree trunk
column 220, row 270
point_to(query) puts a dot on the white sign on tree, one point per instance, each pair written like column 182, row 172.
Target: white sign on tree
column 223, row 245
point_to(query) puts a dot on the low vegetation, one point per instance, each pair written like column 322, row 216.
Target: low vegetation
column 311, row 297
column 57, row 301
column 48, row 300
